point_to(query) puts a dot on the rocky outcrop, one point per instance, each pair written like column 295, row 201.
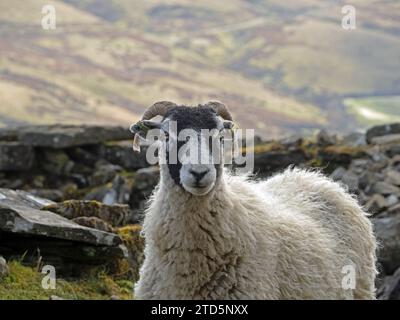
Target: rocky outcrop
column 120, row 153
column 24, row 217
column 390, row 288
column 382, row 131
column 15, row 156
column 95, row 223
column 388, row 233
column 85, row 191
column 70, row 162
column 145, row 181
column 64, row 136
column 24, row 229
column 116, row 215
column 269, row 162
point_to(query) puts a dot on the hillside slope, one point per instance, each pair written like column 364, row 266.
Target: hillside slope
column 280, row 67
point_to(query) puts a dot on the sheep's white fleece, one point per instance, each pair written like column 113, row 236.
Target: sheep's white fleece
column 288, row 237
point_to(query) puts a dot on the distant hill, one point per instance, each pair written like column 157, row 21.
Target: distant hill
column 281, row 66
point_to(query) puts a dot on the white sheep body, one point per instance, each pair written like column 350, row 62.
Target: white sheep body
column 288, row 237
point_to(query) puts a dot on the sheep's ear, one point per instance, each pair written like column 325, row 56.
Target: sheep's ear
column 152, row 124
column 140, row 129
column 228, row 125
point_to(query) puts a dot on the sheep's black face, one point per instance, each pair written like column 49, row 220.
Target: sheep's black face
column 193, row 147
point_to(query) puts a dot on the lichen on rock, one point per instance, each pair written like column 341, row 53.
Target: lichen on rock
column 116, row 215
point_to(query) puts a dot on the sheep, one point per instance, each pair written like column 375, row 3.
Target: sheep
column 213, row 235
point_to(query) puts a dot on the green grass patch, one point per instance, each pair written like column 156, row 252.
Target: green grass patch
column 25, row 283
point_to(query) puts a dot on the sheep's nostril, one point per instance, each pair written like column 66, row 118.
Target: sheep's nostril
column 198, row 175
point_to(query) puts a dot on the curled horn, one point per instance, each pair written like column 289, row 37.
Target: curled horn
column 158, row 109
column 220, row 109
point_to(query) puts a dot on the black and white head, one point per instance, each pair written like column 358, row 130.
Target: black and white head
column 192, row 143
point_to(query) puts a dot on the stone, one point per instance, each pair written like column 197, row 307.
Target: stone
column 80, row 180
column 387, row 139
column 87, row 155
column 393, row 150
column 391, row 211
column 378, row 166
column 292, row 143
column 394, row 209
column 105, row 172
column 116, row 215
column 367, row 179
column 50, row 194
column 12, row 184
column 8, row 134
column 355, row 139
column 4, row 270
column 22, row 198
column 339, row 155
column 16, row 157
column 65, row 136
column 338, row 174
column 348, row 178
column 376, row 204
column 97, row 194
column 359, row 166
column 385, row 188
column 69, row 189
column 390, row 288
column 121, row 154
column 393, row 177
column 95, row 223
column 147, row 178
column 144, row 183
column 360, row 163
column 362, row 198
column 382, row 130
column 395, row 161
column 38, row 181
column 324, row 138
column 116, row 193
column 69, row 247
column 387, row 231
column 379, row 160
column 392, row 200
column 351, row 180
column 55, row 162
column 271, row 161
column 24, row 217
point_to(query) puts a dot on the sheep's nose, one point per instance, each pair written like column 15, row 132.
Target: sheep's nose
column 199, row 174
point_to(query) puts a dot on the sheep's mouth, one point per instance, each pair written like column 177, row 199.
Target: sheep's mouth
column 198, row 189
